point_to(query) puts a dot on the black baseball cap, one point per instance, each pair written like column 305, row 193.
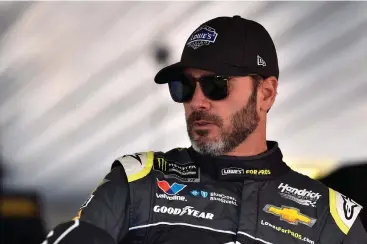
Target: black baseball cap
column 231, row 46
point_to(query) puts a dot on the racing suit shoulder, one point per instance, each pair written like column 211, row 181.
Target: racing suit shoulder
column 335, row 212
column 143, row 170
column 343, row 209
column 104, row 217
column 342, row 216
column 137, row 165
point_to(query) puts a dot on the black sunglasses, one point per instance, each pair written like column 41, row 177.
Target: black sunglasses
column 214, row 87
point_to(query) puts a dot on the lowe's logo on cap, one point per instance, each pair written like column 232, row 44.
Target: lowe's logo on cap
column 204, row 35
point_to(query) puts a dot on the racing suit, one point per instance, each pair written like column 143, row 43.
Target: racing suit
column 183, row 197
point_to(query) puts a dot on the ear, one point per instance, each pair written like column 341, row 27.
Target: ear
column 268, row 91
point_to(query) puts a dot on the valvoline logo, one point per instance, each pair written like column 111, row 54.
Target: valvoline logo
column 170, row 189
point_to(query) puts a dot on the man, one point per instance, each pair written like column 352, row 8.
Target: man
column 231, row 186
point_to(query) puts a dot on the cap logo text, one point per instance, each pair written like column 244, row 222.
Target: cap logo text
column 204, row 35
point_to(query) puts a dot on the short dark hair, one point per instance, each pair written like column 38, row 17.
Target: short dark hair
column 256, row 80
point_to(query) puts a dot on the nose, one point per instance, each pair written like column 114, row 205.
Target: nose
column 199, row 101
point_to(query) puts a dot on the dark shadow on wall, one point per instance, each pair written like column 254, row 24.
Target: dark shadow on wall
column 21, row 215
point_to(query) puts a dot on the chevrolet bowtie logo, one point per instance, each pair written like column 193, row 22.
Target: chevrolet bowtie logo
column 290, row 215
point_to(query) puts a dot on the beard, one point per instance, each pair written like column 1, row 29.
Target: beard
column 242, row 124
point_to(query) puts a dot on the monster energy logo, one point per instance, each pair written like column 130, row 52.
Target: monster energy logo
column 162, row 164
column 188, row 172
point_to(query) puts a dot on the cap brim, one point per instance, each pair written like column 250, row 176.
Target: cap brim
column 167, row 73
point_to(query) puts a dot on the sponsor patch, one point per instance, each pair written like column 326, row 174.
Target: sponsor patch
column 204, row 194
column 171, row 198
column 304, row 197
column 213, row 196
column 258, row 172
column 203, row 36
column 185, row 211
column 344, row 210
column 197, row 193
column 233, row 171
column 219, row 197
column 349, row 207
column 170, row 190
column 290, row 215
column 189, row 172
column 288, row 232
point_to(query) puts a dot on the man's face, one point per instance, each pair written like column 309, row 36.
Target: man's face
column 218, row 127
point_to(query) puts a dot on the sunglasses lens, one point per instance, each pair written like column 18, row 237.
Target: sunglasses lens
column 215, row 87
column 181, row 89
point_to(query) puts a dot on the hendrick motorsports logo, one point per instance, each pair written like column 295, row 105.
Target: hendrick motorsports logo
column 303, row 197
column 188, row 210
column 204, row 35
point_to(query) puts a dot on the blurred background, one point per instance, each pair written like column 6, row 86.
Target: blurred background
column 77, row 91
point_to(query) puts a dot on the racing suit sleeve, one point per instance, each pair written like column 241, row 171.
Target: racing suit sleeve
column 103, row 218
column 357, row 234
column 76, row 232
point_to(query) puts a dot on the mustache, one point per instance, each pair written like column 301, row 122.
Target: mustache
column 202, row 115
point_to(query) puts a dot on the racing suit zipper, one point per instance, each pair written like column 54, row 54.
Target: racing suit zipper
column 249, row 213
column 258, row 207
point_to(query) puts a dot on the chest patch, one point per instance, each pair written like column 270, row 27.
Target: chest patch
column 189, row 172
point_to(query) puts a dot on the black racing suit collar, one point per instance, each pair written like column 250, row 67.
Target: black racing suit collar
column 265, row 166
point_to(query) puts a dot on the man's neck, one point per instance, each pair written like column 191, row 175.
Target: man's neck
column 255, row 144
